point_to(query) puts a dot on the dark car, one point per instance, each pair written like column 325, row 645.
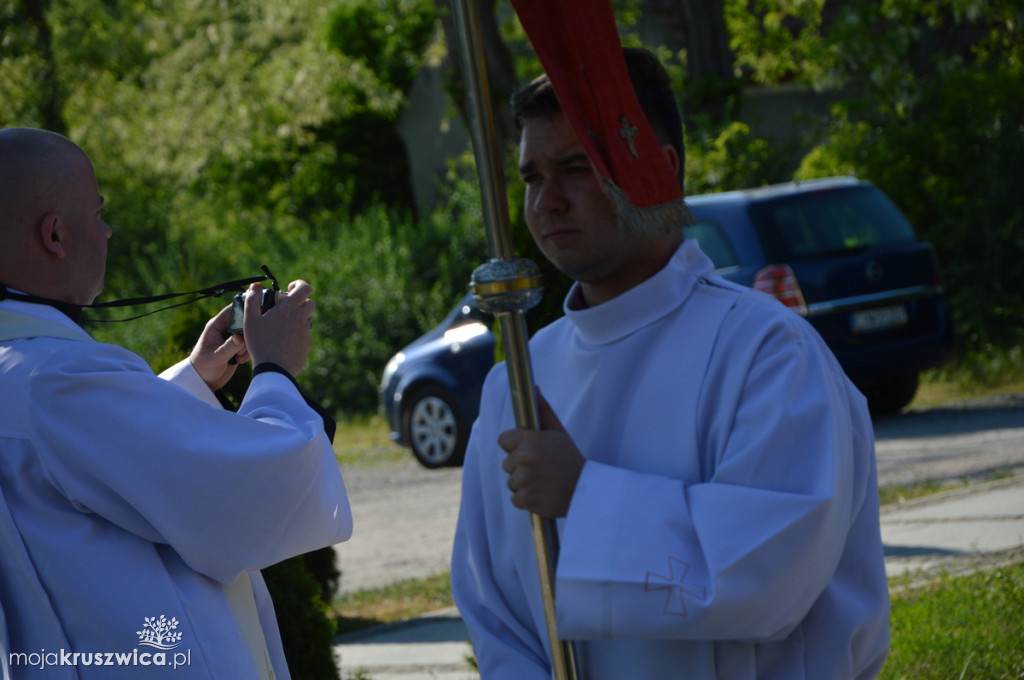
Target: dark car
column 431, row 389
column 836, row 251
column 839, row 252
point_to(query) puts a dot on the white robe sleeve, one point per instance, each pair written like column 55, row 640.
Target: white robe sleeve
column 184, row 375
column 744, row 554
column 228, row 492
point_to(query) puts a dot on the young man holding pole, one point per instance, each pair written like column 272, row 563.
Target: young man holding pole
column 710, row 468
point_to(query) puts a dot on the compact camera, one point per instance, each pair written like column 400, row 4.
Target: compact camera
column 270, row 296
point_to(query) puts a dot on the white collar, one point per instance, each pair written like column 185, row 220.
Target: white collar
column 643, row 304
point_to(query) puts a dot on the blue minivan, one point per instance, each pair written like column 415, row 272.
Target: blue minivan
column 834, row 250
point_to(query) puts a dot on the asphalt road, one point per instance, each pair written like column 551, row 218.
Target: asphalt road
column 405, row 514
column 969, row 440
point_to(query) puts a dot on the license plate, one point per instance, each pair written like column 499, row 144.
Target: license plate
column 878, row 319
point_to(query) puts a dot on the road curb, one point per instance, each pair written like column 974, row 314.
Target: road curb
column 973, row 488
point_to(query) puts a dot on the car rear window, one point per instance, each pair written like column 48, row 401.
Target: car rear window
column 828, row 223
column 713, row 242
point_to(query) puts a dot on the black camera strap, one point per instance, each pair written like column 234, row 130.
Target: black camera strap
column 74, row 310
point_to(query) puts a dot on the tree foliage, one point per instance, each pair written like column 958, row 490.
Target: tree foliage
column 226, row 136
column 231, row 135
column 936, row 118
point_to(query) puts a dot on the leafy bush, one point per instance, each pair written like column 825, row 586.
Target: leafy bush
column 944, row 139
column 388, row 36
column 382, row 281
column 307, row 629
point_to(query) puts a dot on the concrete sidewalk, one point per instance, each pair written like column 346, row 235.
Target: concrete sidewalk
column 952, row 531
column 431, row 647
column 941, row 531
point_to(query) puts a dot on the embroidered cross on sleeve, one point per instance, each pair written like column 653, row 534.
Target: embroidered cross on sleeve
column 675, row 602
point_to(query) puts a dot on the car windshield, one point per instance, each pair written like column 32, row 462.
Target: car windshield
column 826, row 223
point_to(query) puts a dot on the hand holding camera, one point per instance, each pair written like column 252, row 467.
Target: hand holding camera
column 278, row 333
column 264, row 324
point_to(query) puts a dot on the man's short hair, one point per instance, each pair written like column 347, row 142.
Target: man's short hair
column 653, row 88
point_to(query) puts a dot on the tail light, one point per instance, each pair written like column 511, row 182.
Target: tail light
column 779, row 281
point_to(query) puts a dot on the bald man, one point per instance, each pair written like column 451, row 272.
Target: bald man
column 135, row 512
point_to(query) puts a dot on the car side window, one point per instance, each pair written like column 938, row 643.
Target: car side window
column 712, row 241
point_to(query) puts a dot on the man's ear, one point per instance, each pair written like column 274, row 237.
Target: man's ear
column 51, row 234
column 672, row 157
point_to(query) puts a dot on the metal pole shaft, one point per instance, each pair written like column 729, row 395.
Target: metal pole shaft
column 485, row 139
column 507, row 287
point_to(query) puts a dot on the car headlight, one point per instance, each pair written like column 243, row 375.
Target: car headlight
column 392, row 366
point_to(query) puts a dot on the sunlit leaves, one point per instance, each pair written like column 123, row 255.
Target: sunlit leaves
column 776, row 39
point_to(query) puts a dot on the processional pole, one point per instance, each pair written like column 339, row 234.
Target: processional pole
column 507, row 287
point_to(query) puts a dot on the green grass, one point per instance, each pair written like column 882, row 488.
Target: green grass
column 901, row 493
column 905, row 492
column 396, row 602
column 998, row 372
column 366, row 441
column 960, row 628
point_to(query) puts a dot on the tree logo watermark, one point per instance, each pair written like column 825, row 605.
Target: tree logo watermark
column 159, row 633
column 156, row 632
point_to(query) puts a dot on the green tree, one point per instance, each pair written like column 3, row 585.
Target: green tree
column 31, row 76
column 935, row 116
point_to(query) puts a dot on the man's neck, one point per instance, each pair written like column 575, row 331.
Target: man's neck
column 643, row 267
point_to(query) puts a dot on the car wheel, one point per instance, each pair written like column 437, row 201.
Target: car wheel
column 436, row 430
column 889, row 397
